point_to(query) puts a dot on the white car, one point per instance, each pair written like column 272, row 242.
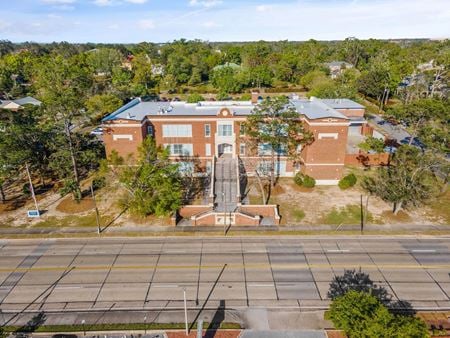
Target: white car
column 97, row 131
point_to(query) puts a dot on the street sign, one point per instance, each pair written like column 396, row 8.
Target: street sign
column 33, row 213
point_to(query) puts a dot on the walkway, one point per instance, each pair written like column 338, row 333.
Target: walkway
column 225, row 185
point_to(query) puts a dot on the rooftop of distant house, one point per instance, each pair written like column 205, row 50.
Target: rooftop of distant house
column 333, row 64
column 313, row 108
column 19, row 103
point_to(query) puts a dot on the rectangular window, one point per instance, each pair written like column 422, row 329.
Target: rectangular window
column 207, row 130
column 266, row 149
column 177, row 130
column 242, row 129
column 180, row 149
column 265, row 167
column 177, row 149
column 186, row 168
column 242, row 149
column 207, row 149
column 225, row 129
column 150, row 130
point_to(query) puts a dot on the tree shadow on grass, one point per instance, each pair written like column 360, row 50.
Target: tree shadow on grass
column 33, row 324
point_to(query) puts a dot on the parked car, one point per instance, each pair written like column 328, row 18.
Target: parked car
column 97, row 131
column 415, row 142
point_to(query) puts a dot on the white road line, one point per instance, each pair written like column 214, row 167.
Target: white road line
column 69, row 287
column 261, row 285
column 337, row 250
column 174, row 251
column 165, row 286
column 423, row 250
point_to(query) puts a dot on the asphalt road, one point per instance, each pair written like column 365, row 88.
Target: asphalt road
column 272, row 273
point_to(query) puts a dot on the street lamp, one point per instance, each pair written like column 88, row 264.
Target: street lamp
column 84, row 328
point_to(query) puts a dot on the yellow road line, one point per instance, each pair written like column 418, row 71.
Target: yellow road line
column 232, row 266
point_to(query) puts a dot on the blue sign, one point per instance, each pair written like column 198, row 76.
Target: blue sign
column 33, row 213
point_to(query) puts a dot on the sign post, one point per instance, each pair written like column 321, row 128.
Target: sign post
column 32, row 213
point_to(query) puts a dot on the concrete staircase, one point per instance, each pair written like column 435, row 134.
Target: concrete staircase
column 225, row 184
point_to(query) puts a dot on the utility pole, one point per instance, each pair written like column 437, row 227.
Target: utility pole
column 366, row 211
column 31, row 188
column 225, row 212
column 185, row 312
column 97, row 215
column 362, row 215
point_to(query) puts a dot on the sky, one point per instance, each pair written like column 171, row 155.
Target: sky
column 131, row 21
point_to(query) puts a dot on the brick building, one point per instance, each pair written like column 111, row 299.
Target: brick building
column 196, row 134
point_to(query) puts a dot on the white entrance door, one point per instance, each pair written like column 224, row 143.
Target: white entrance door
column 225, row 148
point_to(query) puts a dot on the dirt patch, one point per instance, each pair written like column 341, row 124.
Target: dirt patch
column 330, row 204
column 70, row 206
column 301, row 189
column 401, row 217
column 278, row 190
column 149, row 220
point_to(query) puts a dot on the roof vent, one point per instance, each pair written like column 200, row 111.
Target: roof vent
column 169, row 109
column 129, row 115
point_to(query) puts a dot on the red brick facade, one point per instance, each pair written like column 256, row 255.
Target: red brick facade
column 323, row 159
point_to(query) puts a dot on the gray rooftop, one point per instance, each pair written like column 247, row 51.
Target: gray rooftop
column 28, row 100
column 342, row 104
column 338, row 64
column 21, row 102
column 137, row 109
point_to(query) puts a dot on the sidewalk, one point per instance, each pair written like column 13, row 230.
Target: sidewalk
column 171, row 230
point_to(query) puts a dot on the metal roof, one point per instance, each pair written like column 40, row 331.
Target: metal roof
column 342, row 104
column 138, row 109
column 28, row 100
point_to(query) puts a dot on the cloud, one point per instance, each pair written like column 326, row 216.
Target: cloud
column 205, row 3
column 264, row 8
column 54, row 16
column 103, row 3
column 211, row 24
column 146, row 24
column 58, row 2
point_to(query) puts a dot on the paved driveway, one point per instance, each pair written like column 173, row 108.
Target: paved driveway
column 395, row 132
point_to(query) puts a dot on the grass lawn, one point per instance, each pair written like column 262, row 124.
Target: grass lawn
column 74, row 221
column 69, row 206
column 351, row 214
column 113, row 327
column 441, row 206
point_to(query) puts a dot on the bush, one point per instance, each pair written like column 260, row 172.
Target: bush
column 309, row 182
column 195, row 98
column 304, row 180
column 298, row 179
column 347, row 181
column 98, row 183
